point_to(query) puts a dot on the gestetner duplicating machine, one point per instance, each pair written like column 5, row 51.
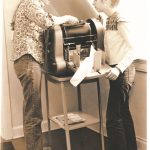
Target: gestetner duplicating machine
column 66, row 45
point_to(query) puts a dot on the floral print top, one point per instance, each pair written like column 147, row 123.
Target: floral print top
column 30, row 21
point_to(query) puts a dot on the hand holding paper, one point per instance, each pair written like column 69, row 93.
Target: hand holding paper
column 90, row 66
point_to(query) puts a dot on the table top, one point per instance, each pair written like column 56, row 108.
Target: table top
column 92, row 75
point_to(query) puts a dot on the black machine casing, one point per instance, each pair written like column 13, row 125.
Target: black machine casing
column 63, row 41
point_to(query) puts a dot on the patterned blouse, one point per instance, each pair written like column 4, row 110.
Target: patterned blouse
column 30, row 21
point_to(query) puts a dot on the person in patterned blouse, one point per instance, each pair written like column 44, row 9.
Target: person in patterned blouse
column 29, row 22
column 120, row 52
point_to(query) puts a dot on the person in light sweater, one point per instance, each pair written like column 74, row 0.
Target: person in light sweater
column 29, row 21
column 120, row 53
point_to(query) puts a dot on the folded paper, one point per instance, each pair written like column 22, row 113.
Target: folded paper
column 85, row 68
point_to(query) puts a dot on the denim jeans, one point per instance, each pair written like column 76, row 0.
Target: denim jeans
column 29, row 73
column 120, row 127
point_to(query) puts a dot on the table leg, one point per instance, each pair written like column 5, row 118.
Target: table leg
column 100, row 114
column 65, row 116
column 79, row 97
column 48, row 114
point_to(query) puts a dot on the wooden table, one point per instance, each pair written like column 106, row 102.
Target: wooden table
column 89, row 119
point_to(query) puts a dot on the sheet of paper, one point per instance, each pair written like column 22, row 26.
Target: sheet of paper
column 85, row 68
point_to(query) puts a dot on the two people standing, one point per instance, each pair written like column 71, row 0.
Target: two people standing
column 29, row 21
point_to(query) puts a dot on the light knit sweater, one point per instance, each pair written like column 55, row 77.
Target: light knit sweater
column 118, row 42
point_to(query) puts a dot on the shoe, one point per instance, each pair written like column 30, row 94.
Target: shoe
column 47, row 148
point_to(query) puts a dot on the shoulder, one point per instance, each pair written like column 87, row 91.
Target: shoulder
column 33, row 2
column 122, row 22
column 120, row 18
column 114, row 20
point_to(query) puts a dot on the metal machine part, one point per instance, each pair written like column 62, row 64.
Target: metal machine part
column 67, row 45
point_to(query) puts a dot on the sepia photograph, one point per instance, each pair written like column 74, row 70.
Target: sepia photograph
column 74, row 75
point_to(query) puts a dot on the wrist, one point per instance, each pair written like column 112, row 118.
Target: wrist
column 118, row 69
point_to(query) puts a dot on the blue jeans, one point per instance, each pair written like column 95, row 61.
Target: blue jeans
column 120, row 127
column 29, row 73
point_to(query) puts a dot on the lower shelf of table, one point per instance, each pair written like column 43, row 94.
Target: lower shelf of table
column 89, row 120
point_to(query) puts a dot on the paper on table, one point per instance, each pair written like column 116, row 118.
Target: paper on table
column 84, row 69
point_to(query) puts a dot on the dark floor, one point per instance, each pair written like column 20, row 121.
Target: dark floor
column 81, row 139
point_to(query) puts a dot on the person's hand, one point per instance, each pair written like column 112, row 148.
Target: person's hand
column 71, row 19
column 57, row 20
column 65, row 19
column 112, row 73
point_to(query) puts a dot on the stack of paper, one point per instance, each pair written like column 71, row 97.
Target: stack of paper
column 72, row 119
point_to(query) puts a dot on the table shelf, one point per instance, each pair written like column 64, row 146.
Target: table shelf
column 89, row 120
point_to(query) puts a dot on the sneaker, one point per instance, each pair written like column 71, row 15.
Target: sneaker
column 47, row 148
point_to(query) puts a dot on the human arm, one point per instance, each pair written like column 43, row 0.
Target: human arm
column 129, row 53
column 35, row 12
column 127, row 35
